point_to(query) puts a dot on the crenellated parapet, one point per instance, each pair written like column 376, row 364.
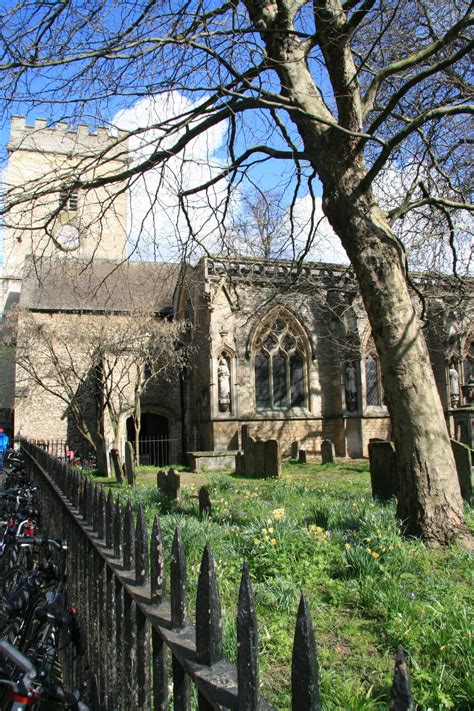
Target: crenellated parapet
column 59, row 138
column 328, row 275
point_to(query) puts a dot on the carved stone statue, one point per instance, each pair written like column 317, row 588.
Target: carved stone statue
column 223, row 380
column 351, row 387
column 454, row 385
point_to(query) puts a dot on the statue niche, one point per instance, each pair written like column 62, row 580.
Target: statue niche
column 351, row 387
column 223, row 384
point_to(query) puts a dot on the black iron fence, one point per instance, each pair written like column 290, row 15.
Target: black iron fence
column 64, row 451
column 155, row 450
column 140, row 641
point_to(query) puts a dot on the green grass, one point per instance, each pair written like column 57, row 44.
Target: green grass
column 317, row 530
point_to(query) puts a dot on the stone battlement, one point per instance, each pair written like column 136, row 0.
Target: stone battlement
column 59, row 138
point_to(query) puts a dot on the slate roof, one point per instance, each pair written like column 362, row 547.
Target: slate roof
column 66, row 284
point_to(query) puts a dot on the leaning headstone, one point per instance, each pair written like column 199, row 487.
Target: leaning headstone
column 295, row 450
column 302, row 456
column 130, row 463
column 259, row 459
column 117, row 465
column 272, row 458
column 205, row 507
column 462, row 456
column 383, row 470
column 327, row 451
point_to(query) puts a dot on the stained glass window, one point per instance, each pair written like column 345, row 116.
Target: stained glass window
column 262, row 381
column 280, row 392
column 373, row 381
column 280, row 366
column 297, row 380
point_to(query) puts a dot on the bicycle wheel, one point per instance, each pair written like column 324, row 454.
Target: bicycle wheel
column 43, row 648
column 11, row 580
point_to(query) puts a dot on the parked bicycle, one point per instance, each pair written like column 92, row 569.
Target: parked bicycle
column 29, row 684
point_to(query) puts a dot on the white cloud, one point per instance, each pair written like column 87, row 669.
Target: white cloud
column 326, row 245
column 157, row 226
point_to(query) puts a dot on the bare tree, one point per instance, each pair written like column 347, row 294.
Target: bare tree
column 329, row 90
column 97, row 366
column 260, row 228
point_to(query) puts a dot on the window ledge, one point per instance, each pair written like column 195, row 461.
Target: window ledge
column 375, row 410
column 283, row 412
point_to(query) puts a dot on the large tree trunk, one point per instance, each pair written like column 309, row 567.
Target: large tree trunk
column 430, row 502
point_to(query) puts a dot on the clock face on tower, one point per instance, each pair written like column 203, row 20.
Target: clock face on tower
column 68, row 237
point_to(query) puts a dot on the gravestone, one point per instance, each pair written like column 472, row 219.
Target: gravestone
column 174, row 482
column 161, row 480
column 272, row 458
column 250, row 457
column 130, row 463
column 244, row 435
column 327, row 452
column 240, row 464
column 169, row 483
column 117, row 465
column 295, row 450
column 463, row 458
column 383, row 470
column 302, row 459
column 259, row 459
column 205, row 507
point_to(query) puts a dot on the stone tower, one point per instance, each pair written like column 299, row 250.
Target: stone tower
column 51, row 217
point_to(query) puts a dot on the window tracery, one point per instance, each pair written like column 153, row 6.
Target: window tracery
column 374, row 394
column 280, row 364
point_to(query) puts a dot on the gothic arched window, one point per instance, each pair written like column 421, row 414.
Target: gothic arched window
column 373, row 380
column 280, row 364
column 468, row 362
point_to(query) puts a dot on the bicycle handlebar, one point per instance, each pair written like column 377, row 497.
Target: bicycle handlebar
column 8, row 650
column 32, row 677
column 42, row 541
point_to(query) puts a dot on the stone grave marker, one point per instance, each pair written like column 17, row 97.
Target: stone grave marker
column 205, row 508
column 272, row 458
column 117, row 465
column 130, row 463
column 250, row 457
column 259, row 459
column 240, row 464
column 302, row 456
column 295, row 449
column 463, row 458
column 327, row 452
column 169, row 483
column 383, row 470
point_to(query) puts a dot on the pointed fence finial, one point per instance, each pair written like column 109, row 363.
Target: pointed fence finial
column 401, row 697
column 247, row 646
column 208, row 613
column 305, row 694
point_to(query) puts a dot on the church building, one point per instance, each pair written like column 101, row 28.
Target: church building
column 281, row 347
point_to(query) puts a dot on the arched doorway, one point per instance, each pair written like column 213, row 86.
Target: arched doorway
column 153, row 440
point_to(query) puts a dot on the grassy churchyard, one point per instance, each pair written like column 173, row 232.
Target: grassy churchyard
column 317, row 529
